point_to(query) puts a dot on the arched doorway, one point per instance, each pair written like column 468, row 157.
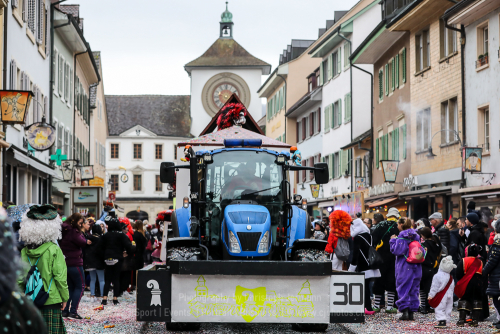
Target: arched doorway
column 138, row 215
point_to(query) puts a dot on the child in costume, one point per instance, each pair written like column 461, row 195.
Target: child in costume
column 441, row 293
column 469, row 287
column 340, row 228
column 408, row 275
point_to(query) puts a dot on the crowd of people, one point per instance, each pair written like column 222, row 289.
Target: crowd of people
column 58, row 258
column 427, row 266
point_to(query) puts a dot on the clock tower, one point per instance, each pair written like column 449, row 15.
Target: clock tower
column 225, row 68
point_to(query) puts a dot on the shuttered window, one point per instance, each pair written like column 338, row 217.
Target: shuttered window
column 311, row 124
column 347, row 54
column 32, row 15
column 396, row 68
column 327, row 118
column 404, row 140
column 339, row 60
column 393, row 75
column 377, row 149
column 386, row 79
column 339, row 111
column 321, row 74
column 347, row 103
column 40, row 21
column 60, row 69
column 403, row 58
column 318, row 116
column 298, row 131
column 330, row 67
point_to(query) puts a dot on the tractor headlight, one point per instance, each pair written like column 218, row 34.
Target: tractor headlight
column 264, row 243
column 304, row 204
column 234, row 245
column 208, row 158
column 185, row 202
column 281, row 159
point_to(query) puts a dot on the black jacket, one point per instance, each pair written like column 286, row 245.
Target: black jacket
column 456, row 246
column 112, row 245
column 361, row 246
column 492, row 269
column 382, row 233
column 476, row 236
column 140, row 247
column 91, row 258
column 444, row 235
column 433, row 255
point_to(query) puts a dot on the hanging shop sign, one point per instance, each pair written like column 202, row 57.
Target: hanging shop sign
column 361, row 184
column 315, row 190
column 409, row 182
column 41, row 136
column 112, row 196
column 14, row 105
column 58, row 157
column 381, row 189
column 390, row 169
column 67, row 167
column 124, row 178
column 87, row 172
column 471, row 159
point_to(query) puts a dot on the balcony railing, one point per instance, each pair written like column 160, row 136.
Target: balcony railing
column 481, row 61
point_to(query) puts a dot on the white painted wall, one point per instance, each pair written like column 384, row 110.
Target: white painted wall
column 482, row 88
column 199, row 77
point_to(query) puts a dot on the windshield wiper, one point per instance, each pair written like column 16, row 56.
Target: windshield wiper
column 258, row 191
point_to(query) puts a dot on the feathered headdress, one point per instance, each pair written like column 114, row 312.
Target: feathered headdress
column 231, row 114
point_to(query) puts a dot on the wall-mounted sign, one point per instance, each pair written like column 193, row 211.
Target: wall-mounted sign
column 315, row 190
column 97, row 182
column 381, row 189
column 41, row 138
column 14, row 105
column 58, row 157
column 87, row 172
column 67, row 169
column 124, row 178
column 409, row 182
column 85, row 195
column 361, row 184
column 471, row 159
column 390, row 169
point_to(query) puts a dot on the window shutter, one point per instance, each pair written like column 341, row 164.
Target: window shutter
column 46, row 29
column 387, row 146
column 393, row 75
column 383, row 147
column 45, row 105
column 15, row 3
column 345, row 106
column 311, row 124
column 304, row 128
column 332, row 115
column 377, row 152
column 13, row 74
column 25, row 10
column 396, row 137
column 297, row 131
column 347, row 53
column 71, row 87
column 403, row 55
column 330, row 166
column 340, row 112
column 39, row 26
column 404, row 141
column 339, row 60
column 321, row 73
column 350, row 106
column 330, row 66
column 311, row 164
column 327, row 118
column 344, row 160
column 349, row 161
column 397, row 71
column 318, row 114
column 386, row 79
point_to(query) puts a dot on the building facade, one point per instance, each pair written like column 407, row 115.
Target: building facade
column 137, row 144
column 436, row 107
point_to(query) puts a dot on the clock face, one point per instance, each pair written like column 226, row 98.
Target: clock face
column 222, row 93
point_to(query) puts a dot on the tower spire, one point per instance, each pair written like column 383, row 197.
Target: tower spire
column 226, row 23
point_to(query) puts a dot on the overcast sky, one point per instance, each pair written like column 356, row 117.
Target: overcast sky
column 145, row 44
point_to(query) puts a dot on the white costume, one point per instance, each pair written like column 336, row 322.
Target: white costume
column 439, row 282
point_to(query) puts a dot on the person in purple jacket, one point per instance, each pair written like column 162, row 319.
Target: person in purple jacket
column 72, row 243
column 408, row 275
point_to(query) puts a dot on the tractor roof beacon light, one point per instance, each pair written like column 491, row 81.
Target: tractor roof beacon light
column 242, row 142
column 185, row 202
column 304, row 204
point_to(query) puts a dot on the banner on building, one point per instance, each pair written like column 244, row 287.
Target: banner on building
column 315, row 190
column 360, row 184
column 390, row 169
column 471, row 159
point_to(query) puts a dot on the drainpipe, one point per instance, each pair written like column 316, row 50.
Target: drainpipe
column 371, row 121
column 462, row 72
column 350, row 88
column 4, row 126
column 286, row 94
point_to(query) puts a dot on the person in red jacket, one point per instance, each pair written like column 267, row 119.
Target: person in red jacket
column 72, row 243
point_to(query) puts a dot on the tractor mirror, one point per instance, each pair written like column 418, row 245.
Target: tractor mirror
column 167, row 172
column 321, row 172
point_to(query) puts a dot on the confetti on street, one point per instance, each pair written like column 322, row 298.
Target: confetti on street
column 121, row 319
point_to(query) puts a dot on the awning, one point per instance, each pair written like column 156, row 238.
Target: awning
column 471, row 196
column 33, row 163
column 382, row 202
column 325, row 204
column 430, row 191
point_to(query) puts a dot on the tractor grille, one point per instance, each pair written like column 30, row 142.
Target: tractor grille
column 248, row 217
column 249, row 241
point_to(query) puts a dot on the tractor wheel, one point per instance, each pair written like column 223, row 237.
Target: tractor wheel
column 182, row 326
column 310, row 327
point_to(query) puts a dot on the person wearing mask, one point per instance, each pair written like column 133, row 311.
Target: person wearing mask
column 429, row 266
column 436, row 220
column 40, row 228
column 113, row 246
column 408, row 275
column 140, row 247
column 72, row 243
column 382, row 233
column 362, row 240
column 92, row 262
column 340, row 232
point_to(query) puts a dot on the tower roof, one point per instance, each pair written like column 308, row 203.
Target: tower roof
column 226, row 17
column 226, row 52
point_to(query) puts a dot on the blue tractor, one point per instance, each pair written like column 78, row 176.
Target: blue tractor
column 238, row 245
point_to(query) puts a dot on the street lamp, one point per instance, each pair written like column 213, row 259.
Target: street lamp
column 430, row 154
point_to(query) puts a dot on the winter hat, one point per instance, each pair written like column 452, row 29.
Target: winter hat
column 436, row 215
column 447, row 264
column 471, row 206
column 393, row 212
column 358, row 227
column 39, row 225
column 473, row 218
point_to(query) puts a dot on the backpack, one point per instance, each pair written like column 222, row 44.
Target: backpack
column 34, row 285
column 374, row 260
column 416, row 252
column 342, row 250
